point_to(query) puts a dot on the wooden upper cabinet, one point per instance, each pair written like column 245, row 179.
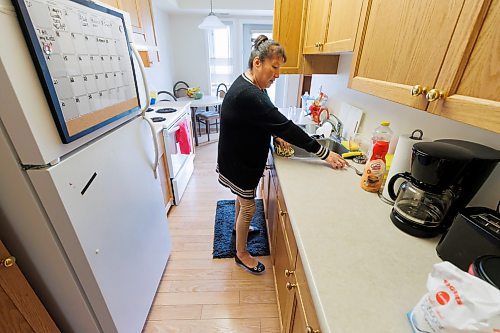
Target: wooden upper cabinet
column 342, row 25
column 331, row 26
column 316, row 24
column 402, row 44
column 411, row 52
column 113, row 3
column 141, row 17
column 470, row 77
column 132, row 8
column 288, row 30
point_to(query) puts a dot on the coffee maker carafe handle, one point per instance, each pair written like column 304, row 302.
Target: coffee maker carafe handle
column 405, row 175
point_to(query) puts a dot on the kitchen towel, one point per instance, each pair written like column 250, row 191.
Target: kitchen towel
column 401, row 162
column 182, row 137
column 225, row 240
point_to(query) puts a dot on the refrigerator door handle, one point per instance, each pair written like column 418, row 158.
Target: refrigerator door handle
column 146, row 106
column 144, row 80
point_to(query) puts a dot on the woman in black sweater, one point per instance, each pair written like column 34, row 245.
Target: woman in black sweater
column 248, row 120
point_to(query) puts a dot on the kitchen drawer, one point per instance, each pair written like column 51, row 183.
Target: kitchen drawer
column 291, row 244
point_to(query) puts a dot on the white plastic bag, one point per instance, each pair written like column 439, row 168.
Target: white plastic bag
column 456, row 302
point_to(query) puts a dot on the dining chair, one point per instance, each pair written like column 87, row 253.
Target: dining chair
column 169, row 96
column 180, row 89
column 221, row 90
column 207, row 117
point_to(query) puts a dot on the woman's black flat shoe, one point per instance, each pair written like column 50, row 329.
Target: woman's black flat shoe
column 258, row 269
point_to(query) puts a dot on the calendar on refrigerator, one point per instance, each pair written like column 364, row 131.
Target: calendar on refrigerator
column 83, row 58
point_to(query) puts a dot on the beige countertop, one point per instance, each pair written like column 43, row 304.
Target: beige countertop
column 363, row 272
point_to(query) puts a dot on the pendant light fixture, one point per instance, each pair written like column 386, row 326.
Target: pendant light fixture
column 211, row 21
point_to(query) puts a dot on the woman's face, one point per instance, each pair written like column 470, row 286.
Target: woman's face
column 265, row 72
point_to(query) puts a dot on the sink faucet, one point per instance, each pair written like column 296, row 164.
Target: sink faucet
column 337, row 125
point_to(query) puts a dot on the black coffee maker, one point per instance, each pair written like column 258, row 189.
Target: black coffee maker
column 425, row 197
column 483, row 163
column 445, row 175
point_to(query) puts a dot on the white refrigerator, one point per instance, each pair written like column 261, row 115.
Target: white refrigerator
column 80, row 204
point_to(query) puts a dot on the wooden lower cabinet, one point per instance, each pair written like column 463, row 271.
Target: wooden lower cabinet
column 297, row 313
column 163, row 174
column 20, row 309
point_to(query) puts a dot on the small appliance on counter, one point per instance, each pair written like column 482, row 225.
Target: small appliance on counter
column 477, row 171
column 427, row 193
column 475, row 232
column 445, row 175
column 487, row 268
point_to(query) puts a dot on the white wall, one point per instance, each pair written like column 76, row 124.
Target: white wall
column 405, row 119
column 160, row 74
column 190, row 47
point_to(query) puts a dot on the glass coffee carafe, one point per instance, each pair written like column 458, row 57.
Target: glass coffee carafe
column 420, row 207
column 424, row 198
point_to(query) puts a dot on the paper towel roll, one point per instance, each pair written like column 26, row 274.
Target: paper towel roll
column 401, row 161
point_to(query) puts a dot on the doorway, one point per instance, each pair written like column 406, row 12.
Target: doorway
column 250, row 33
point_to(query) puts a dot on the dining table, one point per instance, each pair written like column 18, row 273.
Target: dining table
column 203, row 102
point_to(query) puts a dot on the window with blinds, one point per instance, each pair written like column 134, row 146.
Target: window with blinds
column 221, row 57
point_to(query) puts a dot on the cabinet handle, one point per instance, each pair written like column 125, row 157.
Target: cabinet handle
column 418, row 90
column 288, row 273
column 309, row 329
column 282, row 213
column 8, row 262
column 320, row 44
column 434, row 94
column 290, row 286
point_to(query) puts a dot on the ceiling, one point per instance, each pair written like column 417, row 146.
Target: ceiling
column 220, row 7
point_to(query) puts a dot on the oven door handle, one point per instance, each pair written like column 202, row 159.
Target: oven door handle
column 173, row 129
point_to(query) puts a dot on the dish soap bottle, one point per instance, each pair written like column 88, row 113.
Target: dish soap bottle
column 373, row 174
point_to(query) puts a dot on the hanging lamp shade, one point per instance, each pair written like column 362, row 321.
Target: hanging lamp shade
column 211, row 21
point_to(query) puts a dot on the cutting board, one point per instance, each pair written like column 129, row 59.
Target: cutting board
column 350, row 116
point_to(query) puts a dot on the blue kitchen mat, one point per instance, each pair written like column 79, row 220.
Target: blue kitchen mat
column 225, row 240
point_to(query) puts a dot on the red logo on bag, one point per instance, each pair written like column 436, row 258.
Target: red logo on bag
column 442, row 297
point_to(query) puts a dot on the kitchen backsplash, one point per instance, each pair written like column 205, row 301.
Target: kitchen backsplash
column 404, row 120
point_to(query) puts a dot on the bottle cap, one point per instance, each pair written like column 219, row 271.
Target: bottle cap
column 385, row 123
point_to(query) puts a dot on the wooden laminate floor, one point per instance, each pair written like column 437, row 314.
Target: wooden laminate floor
column 201, row 294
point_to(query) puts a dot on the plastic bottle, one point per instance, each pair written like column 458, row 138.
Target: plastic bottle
column 152, row 96
column 374, row 172
column 305, row 97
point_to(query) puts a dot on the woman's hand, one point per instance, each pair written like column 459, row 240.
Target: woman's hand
column 336, row 161
column 282, row 143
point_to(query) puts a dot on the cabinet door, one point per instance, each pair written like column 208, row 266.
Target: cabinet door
column 470, row 77
column 20, row 308
column 305, row 299
column 273, row 220
column 402, row 44
column 297, row 320
column 132, row 8
column 281, row 263
column 317, row 20
column 114, row 3
column 288, row 30
column 342, row 25
column 163, row 174
column 147, row 20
